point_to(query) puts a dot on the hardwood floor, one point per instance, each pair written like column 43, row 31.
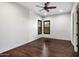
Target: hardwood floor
column 44, row 47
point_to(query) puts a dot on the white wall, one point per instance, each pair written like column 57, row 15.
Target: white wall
column 33, row 26
column 17, row 26
column 60, row 26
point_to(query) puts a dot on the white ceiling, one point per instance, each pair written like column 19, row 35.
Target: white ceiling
column 62, row 7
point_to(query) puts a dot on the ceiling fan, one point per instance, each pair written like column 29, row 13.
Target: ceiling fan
column 46, row 7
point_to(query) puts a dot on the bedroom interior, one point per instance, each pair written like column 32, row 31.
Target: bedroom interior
column 39, row 29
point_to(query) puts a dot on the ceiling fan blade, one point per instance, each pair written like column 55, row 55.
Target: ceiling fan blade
column 51, row 7
column 41, row 9
column 47, row 10
column 39, row 6
column 47, row 3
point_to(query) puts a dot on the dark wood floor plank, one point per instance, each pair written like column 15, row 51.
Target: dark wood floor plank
column 44, row 47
